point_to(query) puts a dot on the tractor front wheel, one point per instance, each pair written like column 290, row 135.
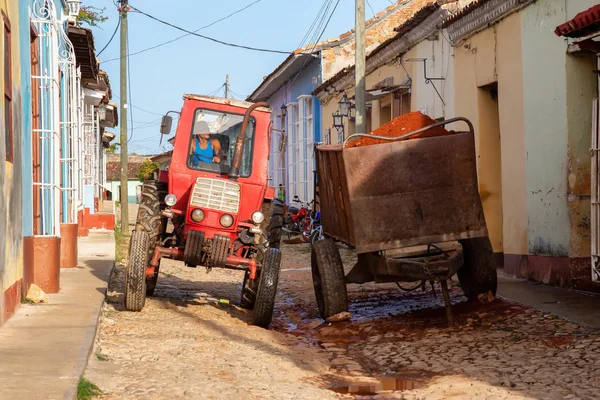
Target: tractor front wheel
column 273, row 212
column 135, row 275
column 150, row 220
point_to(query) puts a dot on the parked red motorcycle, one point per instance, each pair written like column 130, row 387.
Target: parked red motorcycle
column 297, row 218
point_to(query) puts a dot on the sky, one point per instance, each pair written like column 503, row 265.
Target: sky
column 160, row 77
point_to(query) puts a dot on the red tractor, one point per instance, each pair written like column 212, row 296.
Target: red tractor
column 215, row 193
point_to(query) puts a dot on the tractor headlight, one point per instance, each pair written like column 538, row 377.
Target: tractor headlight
column 170, row 200
column 197, row 215
column 226, row 220
column 258, row 217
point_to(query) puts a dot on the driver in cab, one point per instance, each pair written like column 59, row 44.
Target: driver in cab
column 204, row 148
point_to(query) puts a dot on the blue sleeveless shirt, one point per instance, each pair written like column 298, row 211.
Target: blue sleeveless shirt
column 202, row 155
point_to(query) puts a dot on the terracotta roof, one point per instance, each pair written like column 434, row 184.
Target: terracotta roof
column 463, row 12
column 372, row 33
column 113, row 171
column 412, row 16
column 583, row 24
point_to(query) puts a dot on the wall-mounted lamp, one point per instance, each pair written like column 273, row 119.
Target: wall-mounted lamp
column 344, row 106
column 338, row 120
column 283, row 110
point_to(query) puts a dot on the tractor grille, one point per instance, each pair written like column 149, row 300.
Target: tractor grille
column 216, row 194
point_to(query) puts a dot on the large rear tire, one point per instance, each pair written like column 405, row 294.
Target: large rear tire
column 135, row 275
column 273, row 212
column 262, row 314
column 150, row 220
column 328, row 278
column 478, row 274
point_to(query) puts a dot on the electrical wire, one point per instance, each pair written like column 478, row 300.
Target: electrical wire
column 316, row 42
column 111, row 38
column 141, row 109
column 187, row 34
column 208, row 37
column 312, row 26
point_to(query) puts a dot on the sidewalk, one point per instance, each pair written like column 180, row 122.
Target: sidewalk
column 44, row 349
column 575, row 306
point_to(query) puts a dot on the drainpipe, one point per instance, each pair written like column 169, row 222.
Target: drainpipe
column 238, row 153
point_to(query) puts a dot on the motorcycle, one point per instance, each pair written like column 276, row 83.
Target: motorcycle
column 295, row 219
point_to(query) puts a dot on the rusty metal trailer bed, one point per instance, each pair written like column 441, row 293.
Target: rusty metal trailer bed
column 411, row 210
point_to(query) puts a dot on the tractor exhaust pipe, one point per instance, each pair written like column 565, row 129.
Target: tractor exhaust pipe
column 234, row 173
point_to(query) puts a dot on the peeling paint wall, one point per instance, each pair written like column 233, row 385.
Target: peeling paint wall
column 545, row 89
column 581, row 91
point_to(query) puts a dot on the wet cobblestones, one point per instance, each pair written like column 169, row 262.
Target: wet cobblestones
column 186, row 344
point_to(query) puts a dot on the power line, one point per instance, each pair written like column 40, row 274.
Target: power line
column 111, row 38
column 316, row 42
column 208, row 37
column 141, row 109
column 188, row 34
column 310, row 29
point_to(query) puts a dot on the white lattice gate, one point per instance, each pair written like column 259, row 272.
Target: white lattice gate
column 46, row 185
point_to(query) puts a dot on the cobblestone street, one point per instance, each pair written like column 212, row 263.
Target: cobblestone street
column 189, row 342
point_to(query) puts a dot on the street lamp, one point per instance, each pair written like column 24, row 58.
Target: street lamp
column 344, row 106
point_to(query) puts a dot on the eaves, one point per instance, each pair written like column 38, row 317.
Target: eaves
column 479, row 16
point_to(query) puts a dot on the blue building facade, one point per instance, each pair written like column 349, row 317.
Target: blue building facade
column 297, row 125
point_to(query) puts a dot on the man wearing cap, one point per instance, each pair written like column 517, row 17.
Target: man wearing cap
column 204, row 149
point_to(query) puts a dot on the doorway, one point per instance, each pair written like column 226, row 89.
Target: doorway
column 490, row 165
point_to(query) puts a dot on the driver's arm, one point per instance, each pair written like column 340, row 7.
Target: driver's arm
column 217, row 150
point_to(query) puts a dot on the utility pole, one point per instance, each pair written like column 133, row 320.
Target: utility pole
column 227, row 86
column 123, row 121
column 361, row 121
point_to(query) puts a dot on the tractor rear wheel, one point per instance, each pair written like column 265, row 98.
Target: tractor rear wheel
column 478, row 274
column 328, row 278
column 262, row 314
column 135, row 275
column 150, row 220
column 273, row 212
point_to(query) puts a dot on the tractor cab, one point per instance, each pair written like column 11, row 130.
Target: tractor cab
column 216, row 195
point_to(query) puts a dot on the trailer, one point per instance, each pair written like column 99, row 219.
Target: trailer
column 411, row 210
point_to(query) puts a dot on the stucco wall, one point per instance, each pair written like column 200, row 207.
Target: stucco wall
column 11, row 270
column 475, row 67
column 546, row 139
column 512, row 137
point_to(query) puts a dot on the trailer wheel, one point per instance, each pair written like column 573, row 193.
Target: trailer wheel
column 273, row 212
column 135, row 275
column 328, row 278
column 150, row 220
column 267, row 289
column 478, row 275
